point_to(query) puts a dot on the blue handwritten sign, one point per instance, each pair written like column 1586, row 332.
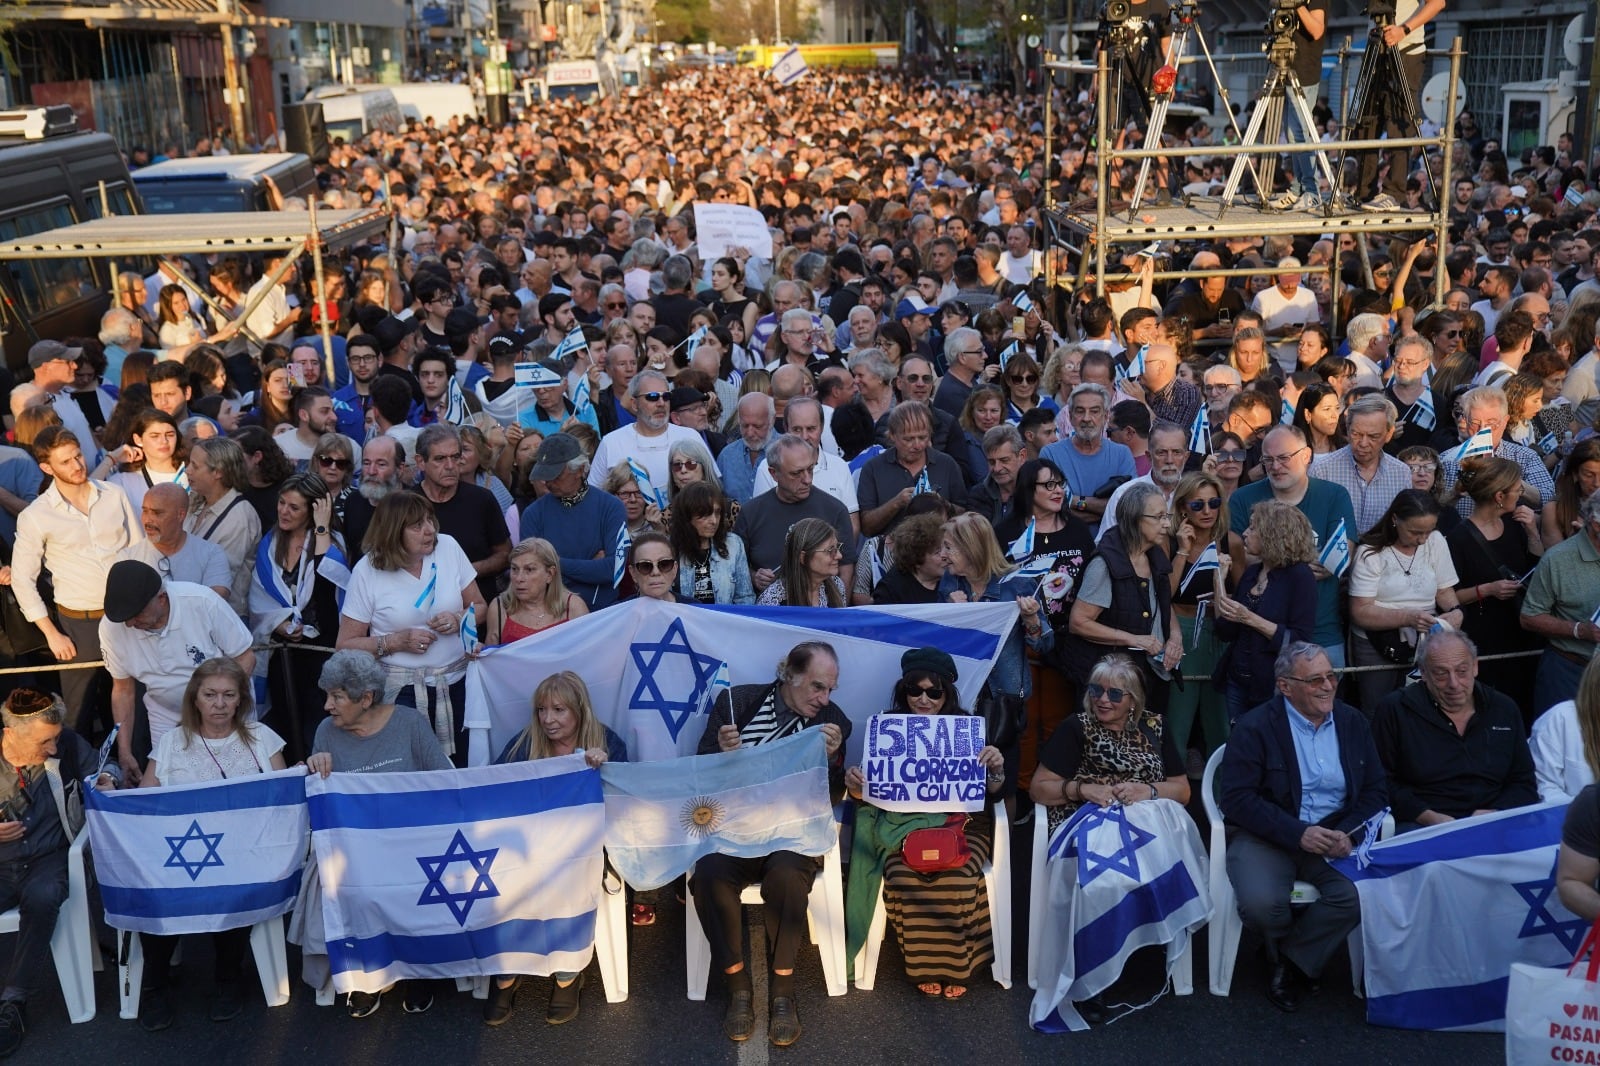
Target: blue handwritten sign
column 924, row 762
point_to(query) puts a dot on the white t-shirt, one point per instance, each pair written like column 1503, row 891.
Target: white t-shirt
column 182, row 759
column 200, row 626
column 137, row 482
column 1020, row 271
column 1398, row 583
column 649, row 452
column 391, row 600
column 298, row 451
column 1278, row 312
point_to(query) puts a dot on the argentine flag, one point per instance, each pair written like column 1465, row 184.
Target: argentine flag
column 458, row 873
column 1446, row 910
column 1118, row 879
column 1335, row 555
column 570, row 345
column 663, row 816
column 1200, row 433
column 199, row 858
column 1022, row 547
column 1480, row 443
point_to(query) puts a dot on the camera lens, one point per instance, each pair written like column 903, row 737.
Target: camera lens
column 1118, row 10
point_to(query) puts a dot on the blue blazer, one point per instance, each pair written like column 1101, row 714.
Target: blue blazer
column 1259, row 779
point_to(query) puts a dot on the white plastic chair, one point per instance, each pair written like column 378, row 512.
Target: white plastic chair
column 1180, row 967
column 997, row 884
column 1226, row 924
column 266, row 944
column 824, row 916
column 72, row 944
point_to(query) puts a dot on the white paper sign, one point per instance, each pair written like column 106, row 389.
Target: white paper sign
column 924, row 762
column 719, row 228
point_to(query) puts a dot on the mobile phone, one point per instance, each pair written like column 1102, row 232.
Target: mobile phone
column 1019, row 325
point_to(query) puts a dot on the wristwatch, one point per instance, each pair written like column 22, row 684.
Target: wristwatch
column 321, row 531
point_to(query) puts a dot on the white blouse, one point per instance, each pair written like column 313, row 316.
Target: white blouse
column 1395, row 582
column 183, row 758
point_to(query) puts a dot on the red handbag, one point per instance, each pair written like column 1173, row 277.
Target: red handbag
column 929, row 851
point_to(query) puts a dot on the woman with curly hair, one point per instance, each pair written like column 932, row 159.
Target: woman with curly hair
column 1273, row 604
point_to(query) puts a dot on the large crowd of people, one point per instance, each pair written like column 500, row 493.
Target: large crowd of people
column 1205, row 500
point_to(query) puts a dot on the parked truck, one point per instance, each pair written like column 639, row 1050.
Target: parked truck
column 870, row 54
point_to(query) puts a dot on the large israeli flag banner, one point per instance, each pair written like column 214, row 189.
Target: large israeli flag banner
column 651, row 666
column 1119, row 879
column 1446, row 910
column 199, row 858
column 663, row 816
column 458, row 873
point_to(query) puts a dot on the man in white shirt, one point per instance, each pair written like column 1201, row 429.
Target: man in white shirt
column 75, row 528
column 1513, row 338
column 1582, row 389
column 648, row 439
column 1020, row 262
column 155, row 633
column 803, row 418
column 1498, row 283
column 1285, row 309
column 1369, row 346
column 273, row 319
column 313, row 412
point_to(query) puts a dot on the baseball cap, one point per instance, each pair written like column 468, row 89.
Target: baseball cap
column 391, row 330
column 912, row 305
column 554, row 454
column 48, row 351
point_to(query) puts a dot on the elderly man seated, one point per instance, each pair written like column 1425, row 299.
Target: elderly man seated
column 1452, row 747
column 42, row 767
column 1299, row 778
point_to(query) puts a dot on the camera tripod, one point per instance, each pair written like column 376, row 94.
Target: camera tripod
column 1187, row 27
column 1382, row 91
column 1283, row 85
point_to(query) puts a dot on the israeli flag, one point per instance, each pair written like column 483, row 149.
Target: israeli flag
column 1446, row 911
column 1335, row 555
column 663, row 816
column 1422, row 414
column 691, row 343
column 536, row 376
column 468, row 631
column 1205, row 562
column 1200, row 433
column 790, row 67
column 1036, row 568
column 650, row 665
column 199, row 858
column 1547, row 444
column 642, row 476
column 1008, row 352
column 570, row 345
column 866, row 456
column 458, row 873
column 580, row 394
column 1118, row 879
column 619, row 555
column 1135, row 367
column 922, row 483
column 1286, row 415
column 1480, row 443
column 1595, row 618
column 1022, row 302
column 1022, row 547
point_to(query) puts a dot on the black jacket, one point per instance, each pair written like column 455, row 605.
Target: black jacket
column 1259, row 779
column 1432, row 767
column 736, row 706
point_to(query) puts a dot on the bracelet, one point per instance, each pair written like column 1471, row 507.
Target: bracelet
column 379, row 653
column 1575, row 630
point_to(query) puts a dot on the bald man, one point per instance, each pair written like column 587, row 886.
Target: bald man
column 175, row 554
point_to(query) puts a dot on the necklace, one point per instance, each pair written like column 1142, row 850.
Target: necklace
column 1404, row 569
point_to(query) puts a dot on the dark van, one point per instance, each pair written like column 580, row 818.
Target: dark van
column 47, row 182
column 208, row 184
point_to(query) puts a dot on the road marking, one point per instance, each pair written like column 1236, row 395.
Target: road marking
column 756, row 1051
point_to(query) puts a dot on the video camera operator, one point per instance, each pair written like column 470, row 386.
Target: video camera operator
column 1311, row 25
column 1401, row 23
column 1138, row 35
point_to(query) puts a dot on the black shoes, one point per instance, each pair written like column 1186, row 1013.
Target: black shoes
column 1284, row 987
column 1092, row 1010
column 740, row 1020
column 418, row 996
column 155, row 1010
column 226, row 1002
column 13, row 1025
column 783, row 1021
column 497, row 1008
column 363, row 1004
column 564, row 1002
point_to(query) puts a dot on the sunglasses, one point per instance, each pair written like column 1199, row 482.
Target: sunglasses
column 1115, row 695
column 616, row 307
column 685, row 464
column 927, row 692
column 334, row 460
column 1449, row 333
column 1213, row 504
column 1024, row 379
column 649, row 567
column 1230, row 457
column 653, row 397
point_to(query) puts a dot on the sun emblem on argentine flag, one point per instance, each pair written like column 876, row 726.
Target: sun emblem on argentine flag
column 702, row 816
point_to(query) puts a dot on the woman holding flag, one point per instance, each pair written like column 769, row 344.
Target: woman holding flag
column 1047, row 540
column 1200, row 538
column 296, row 590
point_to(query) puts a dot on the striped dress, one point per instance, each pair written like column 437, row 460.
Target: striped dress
column 941, row 920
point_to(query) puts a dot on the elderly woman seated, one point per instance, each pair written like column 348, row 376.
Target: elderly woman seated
column 941, row 917
column 1112, row 751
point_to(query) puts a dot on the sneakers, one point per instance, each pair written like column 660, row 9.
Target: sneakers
column 564, row 1002
column 155, row 1010
column 13, row 1025
column 497, row 1009
column 418, row 997
column 1381, row 202
column 363, row 1004
column 226, row 1002
column 1284, row 201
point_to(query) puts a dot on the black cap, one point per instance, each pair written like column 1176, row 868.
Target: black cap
column 683, row 396
column 929, row 661
column 391, row 331
column 461, row 321
column 130, row 586
column 554, row 454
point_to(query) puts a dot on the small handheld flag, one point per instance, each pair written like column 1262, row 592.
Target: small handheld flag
column 580, row 395
column 923, row 484
column 1205, row 562
column 1200, row 434
column 1547, row 444
column 469, row 631
column 1480, row 443
column 1286, row 416
column 1422, row 414
column 790, row 67
column 619, row 556
column 1007, row 353
column 1022, row 302
column 1022, row 547
column 570, row 345
column 1335, row 555
column 691, row 343
column 536, row 376
column 642, row 476
column 1135, row 367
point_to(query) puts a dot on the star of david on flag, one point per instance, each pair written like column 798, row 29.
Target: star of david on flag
column 207, row 856
column 570, row 345
column 437, row 867
column 675, row 680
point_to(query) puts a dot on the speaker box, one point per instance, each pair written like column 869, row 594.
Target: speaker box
column 304, row 130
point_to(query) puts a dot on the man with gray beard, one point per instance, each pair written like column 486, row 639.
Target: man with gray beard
column 383, row 470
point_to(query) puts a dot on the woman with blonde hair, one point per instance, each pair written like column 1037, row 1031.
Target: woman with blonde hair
column 1199, row 524
column 536, row 599
column 1273, row 604
column 563, row 723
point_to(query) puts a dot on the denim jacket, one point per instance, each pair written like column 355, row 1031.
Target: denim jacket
column 730, row 575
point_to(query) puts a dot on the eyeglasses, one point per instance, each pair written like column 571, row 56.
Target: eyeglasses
column 832, row 549
column 650, row 567
column 1316, row 680
column 919, row 379
column 1161, row 516
column 1273, row 461
column 653, row 397
column 973, row 351
column 1218, row 390
column 685, row 464
column 1230, row 457
column 1213, row 504
column 1023, row 379
column 334, row 460
column 353, row 359
column 1115, row 695
column 1052, row 486
column 630, row 494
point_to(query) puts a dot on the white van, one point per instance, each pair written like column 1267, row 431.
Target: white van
column 350, row 113
column 438, row 100
column 584, row 79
